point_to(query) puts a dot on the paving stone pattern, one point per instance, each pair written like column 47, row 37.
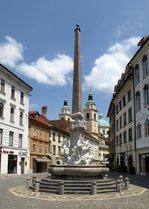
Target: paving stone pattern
column 14, row 195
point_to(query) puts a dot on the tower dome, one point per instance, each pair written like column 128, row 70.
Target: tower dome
column 65, row 111
column 102, row 122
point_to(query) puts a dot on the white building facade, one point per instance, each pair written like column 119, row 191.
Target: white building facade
column 141, row 87
column 14, row 106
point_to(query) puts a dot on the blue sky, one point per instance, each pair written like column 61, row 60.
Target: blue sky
column 37, row 43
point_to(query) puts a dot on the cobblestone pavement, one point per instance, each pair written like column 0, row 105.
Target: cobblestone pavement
column 14, row 195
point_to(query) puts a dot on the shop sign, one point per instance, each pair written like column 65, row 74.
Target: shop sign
column 6, row 152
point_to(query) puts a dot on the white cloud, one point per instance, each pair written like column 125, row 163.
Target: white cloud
column 52, row 72
column 10, row 52
column 33, row 106
column 107, row 68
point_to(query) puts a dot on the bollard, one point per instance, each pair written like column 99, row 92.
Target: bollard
column 28, row 183
column 118, row 185
column 61, row 188
column 127, row 185
column 105, row 176
column 94, row 188
column 33, row 179
column 121, row 179
column 36, row 185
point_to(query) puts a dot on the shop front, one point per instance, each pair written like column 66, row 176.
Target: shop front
column 144, row 163
column 40, row 165
column 12, row 162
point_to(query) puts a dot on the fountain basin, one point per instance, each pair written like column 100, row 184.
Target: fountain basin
column 78, row 170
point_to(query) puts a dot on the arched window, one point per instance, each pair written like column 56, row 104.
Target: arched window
column 21, row 118
column 11, row 114
column 87, row 116
column 94, row 116
column 1, row 109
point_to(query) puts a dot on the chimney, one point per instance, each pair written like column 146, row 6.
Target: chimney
column 44, row 111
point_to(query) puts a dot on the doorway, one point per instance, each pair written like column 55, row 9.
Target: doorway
column 22, row 165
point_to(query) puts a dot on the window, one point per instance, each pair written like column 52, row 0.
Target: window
column 54, row 150
column 87, row 116
column 40, row 148
column 34, row 132
column 146, row 95
column 12, row 92
column 34, row 148
column 10, row 138
column 124, row 119
column 120, row 105
column 1, row 110
column 53, row 136
column 59, row 138
column 129, row 94
column 137, row 75
column 130, row 134
column 124, row 101
column 21, row 97
column 40, row 133
column 146, row 126
column 45, row 149
column 59, row 150
column 2, row 86
column 116, row 109
column 94, row 116
column 120, row 139
column 120, row 122
column 125, row 136
column 21, row 118
column 138, row 101
column 117, row 140
column 12, row 114
column 20, row 141
column 138, row 131
column 145, row 66
column 129, row 115
column 1, row 135
column 117, row 128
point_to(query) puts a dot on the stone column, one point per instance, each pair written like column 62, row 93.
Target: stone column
column 77, row 77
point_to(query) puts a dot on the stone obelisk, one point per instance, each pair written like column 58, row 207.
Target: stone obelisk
column 77, row 116
column 77, row 77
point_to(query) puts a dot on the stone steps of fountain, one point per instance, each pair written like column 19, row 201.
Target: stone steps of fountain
column 77, row 186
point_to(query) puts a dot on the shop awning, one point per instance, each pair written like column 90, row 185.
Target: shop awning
column 42, row 160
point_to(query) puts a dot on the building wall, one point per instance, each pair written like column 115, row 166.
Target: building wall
column 142, row 115
column 39, row 138
column 6, row 125
column 57, row 136
column 124, row 149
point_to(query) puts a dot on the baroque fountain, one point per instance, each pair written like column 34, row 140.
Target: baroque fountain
column 78, row 163
column 81, row 172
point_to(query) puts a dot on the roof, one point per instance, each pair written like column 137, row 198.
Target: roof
column 61, row 124
column 2, row 67
column 36, row 116
column 102, row 122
